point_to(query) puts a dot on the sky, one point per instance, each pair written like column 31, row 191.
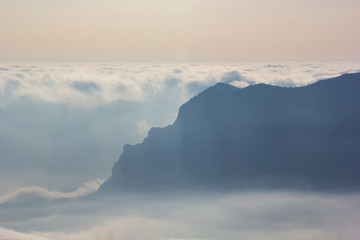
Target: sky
column 179, row 30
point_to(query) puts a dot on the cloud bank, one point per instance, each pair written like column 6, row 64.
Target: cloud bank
column 248, row 215
column 91, row 85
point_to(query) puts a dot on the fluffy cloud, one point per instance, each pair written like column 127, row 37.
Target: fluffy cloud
column 35, row 193
column 142, row 127
column 229, row 77
column 91, row 85
column 86, row 87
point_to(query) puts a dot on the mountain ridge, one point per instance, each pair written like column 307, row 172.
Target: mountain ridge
column 261, row 136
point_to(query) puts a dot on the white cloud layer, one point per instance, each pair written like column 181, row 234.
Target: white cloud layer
column 90, row 85
column 248, row 216
column 36, row 193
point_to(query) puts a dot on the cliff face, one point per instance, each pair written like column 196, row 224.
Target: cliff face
column 257, row 137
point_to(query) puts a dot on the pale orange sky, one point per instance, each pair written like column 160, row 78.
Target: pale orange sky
column 179, row 30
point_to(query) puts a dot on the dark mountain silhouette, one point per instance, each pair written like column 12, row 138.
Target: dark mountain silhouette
column 258, row 137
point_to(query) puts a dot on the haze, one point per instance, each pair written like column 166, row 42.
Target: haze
column 63, row 126
column 179, row 30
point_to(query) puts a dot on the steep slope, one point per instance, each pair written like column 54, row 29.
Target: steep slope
column 257, row 137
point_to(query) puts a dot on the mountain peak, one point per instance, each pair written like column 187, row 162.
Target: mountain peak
column 224, row 87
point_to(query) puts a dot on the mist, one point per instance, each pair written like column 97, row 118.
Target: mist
column 187, row 215
column 64, row 126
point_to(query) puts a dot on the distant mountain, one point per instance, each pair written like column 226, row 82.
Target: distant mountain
column 258, row 137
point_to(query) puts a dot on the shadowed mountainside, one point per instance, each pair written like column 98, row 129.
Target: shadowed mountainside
column 258, row 137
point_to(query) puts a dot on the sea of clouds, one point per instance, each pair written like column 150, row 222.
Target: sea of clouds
column 62, row 125
column 93, row 84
